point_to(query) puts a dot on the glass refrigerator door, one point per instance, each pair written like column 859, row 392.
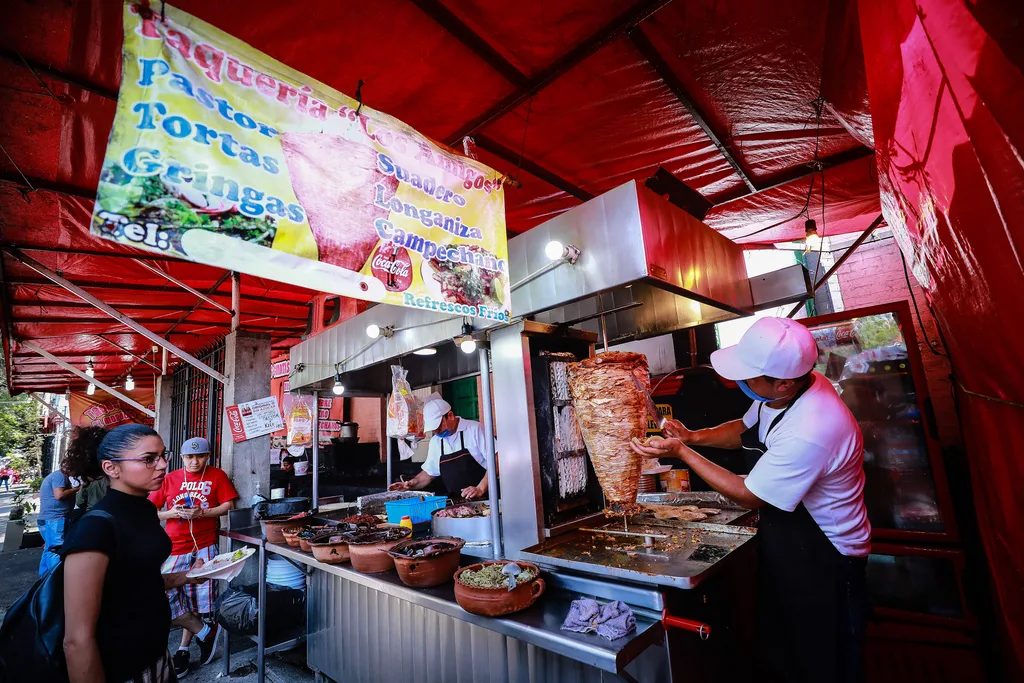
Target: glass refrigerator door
column 871, row 357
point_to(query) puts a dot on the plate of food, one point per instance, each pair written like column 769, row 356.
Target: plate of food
column 223, row 566
column 464, row 283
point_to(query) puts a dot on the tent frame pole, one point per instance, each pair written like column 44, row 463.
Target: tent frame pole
column 92, row 380
column 842, row 259
column 114, row 313
column 176, row 281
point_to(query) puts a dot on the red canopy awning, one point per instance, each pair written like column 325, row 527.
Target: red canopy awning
column 573, row 98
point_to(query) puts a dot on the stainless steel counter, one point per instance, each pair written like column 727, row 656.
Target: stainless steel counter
column 540, row 625
column 372, row 627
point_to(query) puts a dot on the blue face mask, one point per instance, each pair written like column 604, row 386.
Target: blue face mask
column 444, row 433
column 750, row 393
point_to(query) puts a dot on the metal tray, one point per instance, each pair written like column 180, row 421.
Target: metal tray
column 691, row 553
column 731, row 513
column 469, row 529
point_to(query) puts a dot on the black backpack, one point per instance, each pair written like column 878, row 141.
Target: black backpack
column 32, row 635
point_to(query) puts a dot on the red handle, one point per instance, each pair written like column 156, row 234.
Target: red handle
column 698, row 627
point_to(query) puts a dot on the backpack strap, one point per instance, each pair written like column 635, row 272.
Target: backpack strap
column 59, row 550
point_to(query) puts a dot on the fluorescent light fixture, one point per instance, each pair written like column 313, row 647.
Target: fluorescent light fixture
column 129, row 383
column 372, row 331
column 429, row 351
column 338, row 387
column 555, row 250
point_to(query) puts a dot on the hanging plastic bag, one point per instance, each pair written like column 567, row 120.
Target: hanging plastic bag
column 405, row 411
column 298, row 417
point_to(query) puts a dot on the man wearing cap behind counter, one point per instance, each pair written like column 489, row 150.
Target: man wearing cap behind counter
column 808, row 485
column 195, row 496
column 456, row 454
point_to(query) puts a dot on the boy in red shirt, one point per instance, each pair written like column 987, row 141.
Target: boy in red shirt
column 195, row 496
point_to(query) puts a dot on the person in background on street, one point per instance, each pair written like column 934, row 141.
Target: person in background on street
column 455, row 453
column 5, row 478
column 95, row 483
column 194, row 496
column 116, row 614
column 56, row 500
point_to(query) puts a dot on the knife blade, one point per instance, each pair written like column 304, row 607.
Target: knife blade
column 652, row 409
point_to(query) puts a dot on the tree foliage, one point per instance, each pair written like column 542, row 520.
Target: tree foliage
column 20, row 439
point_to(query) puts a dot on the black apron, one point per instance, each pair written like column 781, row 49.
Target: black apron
column 460, row 469
column 811, row 610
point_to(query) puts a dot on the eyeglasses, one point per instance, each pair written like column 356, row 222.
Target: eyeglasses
column 150, row 460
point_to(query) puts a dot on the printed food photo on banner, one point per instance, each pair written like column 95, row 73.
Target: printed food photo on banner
column 221, row 155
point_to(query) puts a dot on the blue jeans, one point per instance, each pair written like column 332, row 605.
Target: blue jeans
column 52, row 531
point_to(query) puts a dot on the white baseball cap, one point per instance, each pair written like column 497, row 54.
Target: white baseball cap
column 433, row 411
column 776, row 347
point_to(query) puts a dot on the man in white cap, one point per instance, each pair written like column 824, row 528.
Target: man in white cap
column 808, row 485
column 195, row 496
column 456, row 454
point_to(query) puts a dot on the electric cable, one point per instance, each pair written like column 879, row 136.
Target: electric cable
column 910, row 287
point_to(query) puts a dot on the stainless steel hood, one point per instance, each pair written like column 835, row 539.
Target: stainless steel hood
column 662, row 268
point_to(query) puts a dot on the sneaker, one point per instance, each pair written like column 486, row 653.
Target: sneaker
column 180, row 660
column 208, row 645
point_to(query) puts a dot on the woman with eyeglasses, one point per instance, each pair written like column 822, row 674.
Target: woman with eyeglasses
column 116, row 613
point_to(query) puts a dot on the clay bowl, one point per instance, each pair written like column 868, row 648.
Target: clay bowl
column 365, row 549
column 496, row 602
column 273, row 527
column 330, row 548
column 435, row 568
column 291, row 535
column 308, row 534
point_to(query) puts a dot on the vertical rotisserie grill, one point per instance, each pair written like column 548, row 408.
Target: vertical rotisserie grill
column 610, row 410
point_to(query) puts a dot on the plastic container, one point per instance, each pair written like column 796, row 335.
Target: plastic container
column 418, row 509
column 406, row 522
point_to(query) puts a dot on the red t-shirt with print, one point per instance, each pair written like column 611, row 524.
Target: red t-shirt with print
column 206, row 490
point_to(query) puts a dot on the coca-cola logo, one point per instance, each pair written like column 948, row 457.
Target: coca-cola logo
column 392, row 266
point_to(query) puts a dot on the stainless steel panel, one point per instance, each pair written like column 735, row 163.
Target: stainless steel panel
column 783, row 286
column 670, row 562
column 608, row 233
column 319, row 353
column 357, row 634
column 517, row 435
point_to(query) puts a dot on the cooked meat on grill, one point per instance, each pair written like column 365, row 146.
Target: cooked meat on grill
column 334, row 178
column 611, row 411
column 709, row 511
column 676, row 512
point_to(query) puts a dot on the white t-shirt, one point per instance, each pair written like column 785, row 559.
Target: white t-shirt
column 473, row 432
column 815, row 456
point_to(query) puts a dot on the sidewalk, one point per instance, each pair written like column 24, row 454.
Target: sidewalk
column 19, row 568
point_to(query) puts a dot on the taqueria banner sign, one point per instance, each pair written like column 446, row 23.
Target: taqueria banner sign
column 221, row 155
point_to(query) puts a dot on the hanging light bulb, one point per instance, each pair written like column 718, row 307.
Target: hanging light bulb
column 554, row 250
column 465, row 340
column 129, row 383
column 90, row 370
column 338, row 387
column 372, row 331
column 812, row 239
column 91, row 389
